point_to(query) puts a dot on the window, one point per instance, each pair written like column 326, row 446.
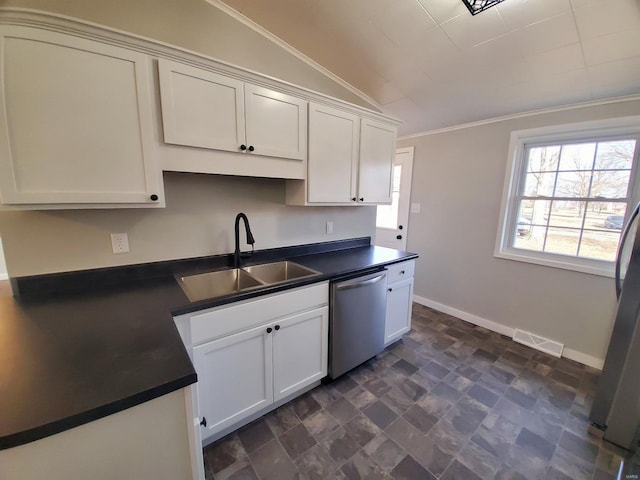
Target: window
column 567, row 193
column 387, row 215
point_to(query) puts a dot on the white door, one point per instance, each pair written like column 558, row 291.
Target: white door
column 392, row 220
column 234, row 377
column 300, row 351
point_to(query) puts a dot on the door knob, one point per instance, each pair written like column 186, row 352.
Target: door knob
column 399, row 237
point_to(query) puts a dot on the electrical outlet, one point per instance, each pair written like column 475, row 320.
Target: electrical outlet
column 329, row 228
column 120, row 242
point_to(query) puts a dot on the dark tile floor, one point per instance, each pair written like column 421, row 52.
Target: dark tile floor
column 450, row 401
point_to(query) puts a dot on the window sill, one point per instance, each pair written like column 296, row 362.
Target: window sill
column 594, row 267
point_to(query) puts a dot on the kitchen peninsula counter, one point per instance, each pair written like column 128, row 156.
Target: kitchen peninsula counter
column 78, row 346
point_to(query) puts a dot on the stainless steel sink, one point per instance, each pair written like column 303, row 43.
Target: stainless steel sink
column 216, row 284
column 270, row 273
column 225, row 282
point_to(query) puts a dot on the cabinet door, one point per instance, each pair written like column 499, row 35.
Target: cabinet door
column 201, row 108
column 276, row 123
column 300, row 350
column 333, row 155
column 377, row 150
column 234, row 377
column 76, row 123
column 398, row 316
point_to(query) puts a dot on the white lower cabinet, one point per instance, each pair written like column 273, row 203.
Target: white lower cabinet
column 399, row 300
column 251, row 355
column 234, row 378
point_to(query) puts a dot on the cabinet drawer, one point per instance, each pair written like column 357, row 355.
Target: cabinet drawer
column 400, row 271
column 250, row 313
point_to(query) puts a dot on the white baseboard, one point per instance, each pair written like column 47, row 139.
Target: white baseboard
column 583, row 358
column 503, row 329
column 4, row 276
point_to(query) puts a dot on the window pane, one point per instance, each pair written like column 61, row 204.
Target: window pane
column 397, row 173
column 532, row 239
column 573, row 184
column 539, row 184
column 534, row 211
column 615, row 155
column 599, row 245
column 543, row 159
column 610, row 184
column 563, row 241
column 566, row 214
column 577, row 156
column 605, row 216
column 387, row 215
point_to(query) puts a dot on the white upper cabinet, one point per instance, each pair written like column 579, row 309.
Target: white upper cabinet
column 333, row 155
column 350, row 160
column 276, row 123
column 200, row 108
column 377, row 150
column 204, row 109
column 76, row 127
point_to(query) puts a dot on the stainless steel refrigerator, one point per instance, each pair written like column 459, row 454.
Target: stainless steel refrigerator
column 616, row 406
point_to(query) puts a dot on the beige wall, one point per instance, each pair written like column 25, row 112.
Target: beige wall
column 198, row 26
column 198, row 221
column 458, row 178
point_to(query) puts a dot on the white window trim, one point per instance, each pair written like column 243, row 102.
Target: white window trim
column 508, row 216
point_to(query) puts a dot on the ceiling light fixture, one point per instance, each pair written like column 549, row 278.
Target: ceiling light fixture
column 477, row 6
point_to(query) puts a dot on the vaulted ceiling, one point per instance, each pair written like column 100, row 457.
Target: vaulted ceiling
column 431, row 64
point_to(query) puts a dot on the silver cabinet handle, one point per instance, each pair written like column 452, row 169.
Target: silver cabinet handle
column 361, row 284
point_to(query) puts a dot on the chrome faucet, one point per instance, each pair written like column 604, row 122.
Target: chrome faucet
column 250, row 239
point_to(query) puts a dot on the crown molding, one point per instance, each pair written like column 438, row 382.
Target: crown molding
column 292, row 50
column 530, row 113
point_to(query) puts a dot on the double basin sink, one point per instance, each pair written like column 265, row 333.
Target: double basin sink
column 226, row 282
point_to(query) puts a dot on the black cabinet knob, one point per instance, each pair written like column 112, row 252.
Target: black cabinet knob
column 269, row 330
column 243, row 147
column 401, row 272
column 362, row 199
column 399, row 237
column 154, row 197
column 277, row 327
column 353, row 199
column 400, row 227
column 390, row 289
column 251, row 149
column 203, row 422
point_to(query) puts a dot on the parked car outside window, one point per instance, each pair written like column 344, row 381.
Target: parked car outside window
column 614, row 221
column 524, row 226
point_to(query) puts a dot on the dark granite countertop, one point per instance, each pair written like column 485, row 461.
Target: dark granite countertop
column 78, row 346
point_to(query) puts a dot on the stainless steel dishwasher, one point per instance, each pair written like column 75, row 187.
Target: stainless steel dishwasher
column 356, row 321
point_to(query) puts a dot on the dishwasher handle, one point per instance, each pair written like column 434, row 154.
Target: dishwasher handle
column 371, row 281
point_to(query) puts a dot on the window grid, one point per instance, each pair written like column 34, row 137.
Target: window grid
column 584, row 203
